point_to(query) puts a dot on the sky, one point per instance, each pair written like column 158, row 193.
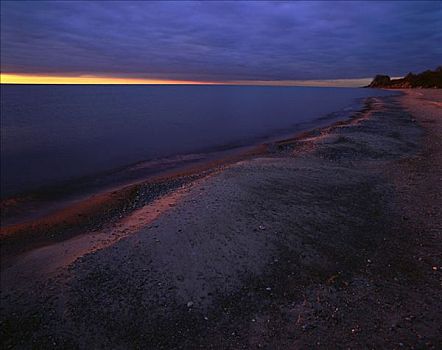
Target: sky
column 218, row 42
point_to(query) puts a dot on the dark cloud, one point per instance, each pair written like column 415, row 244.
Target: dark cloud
column 221, row 40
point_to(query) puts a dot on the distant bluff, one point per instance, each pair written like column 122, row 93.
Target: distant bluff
column 425, row 80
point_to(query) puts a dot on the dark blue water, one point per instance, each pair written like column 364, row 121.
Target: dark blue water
column 51, row 134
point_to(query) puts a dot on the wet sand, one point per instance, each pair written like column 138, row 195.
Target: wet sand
column 330, row 239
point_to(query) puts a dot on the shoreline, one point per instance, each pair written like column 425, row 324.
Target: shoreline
column 80, row 177
column 317, row 241
column 85, row 212
column 32, row 205
column 42, row 201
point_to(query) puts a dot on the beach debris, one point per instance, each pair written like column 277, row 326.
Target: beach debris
column 307, row 327
column 332, row 279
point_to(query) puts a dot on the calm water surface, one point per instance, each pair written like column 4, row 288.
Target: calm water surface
column 51, row 134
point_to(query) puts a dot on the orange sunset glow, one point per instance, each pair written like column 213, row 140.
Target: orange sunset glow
column 88, row 79
column 7, row 78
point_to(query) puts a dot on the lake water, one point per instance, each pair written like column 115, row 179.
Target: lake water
column 52, row 134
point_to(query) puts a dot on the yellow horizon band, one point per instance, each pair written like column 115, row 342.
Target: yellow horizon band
column 6, row 78
column 47, row 79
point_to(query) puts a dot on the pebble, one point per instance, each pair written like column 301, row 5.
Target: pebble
column 180, row 278
column 189, row 304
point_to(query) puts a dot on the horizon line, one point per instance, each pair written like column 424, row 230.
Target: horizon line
column 34, row 79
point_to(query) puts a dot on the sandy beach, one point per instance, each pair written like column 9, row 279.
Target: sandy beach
column 331, row 237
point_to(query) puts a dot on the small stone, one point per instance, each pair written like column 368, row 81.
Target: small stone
column 268, row 289
column 189, row 304
column 434, row 268
column 307, row 327
column 262, row 227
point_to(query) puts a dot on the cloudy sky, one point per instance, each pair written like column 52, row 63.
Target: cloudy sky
column 221, row 41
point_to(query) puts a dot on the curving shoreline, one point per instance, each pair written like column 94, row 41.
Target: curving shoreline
column 302, row 245
column 83, row 214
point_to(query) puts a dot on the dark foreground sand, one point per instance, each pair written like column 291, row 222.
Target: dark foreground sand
column 331, row 240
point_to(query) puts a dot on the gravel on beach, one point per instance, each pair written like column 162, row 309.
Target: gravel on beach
column 331, row 240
